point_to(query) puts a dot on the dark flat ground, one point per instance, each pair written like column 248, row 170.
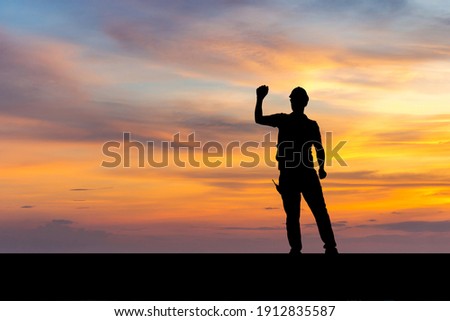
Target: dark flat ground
column 225, row 277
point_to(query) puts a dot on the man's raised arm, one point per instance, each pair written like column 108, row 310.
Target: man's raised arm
column 261, row 93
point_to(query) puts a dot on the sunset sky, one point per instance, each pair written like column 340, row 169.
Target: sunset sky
column 78, row 74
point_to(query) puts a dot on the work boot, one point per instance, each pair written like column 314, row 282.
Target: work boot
column 331, row 251
column 295, row 252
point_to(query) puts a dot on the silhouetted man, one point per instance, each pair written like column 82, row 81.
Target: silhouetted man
column 296, row 136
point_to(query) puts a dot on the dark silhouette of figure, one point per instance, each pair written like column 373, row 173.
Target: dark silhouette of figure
column 296, row 136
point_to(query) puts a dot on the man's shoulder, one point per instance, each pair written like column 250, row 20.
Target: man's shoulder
column 311, row 121
column 304, row 118
column 275, row 120
column 308, row 119
column 281, row 117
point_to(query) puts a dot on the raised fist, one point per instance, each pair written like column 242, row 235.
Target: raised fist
column 262, row 91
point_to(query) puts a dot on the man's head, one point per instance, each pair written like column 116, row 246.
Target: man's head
column 299, row 99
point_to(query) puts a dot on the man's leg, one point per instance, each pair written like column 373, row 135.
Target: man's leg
column 291, row 204
column 312, row 192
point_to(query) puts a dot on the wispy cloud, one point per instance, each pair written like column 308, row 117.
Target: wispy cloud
column 374, row 178
column 418, row 226
column 65, row 236
column 59, row 235
column 62, row 236
column 260, row 228
column 87, row 189
column 226, row 44
column 61, row 222
column 41, row 70
column 396, row 243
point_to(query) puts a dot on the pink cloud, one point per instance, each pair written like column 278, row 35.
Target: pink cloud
column 39, row 69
